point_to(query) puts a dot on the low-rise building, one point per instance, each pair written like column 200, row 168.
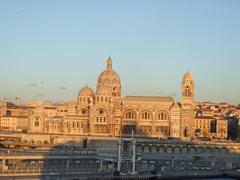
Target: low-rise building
column 222, row 128
column 211, row 127
column 14, row 123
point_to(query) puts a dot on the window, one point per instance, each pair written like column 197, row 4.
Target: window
column 186, row 133
column 162, row 116
column 84, row 111
column 145, row 115
column 101, row 116
column 130, row 114
column 9, row 113
column 37, row 123
column 128, row 129
column 187, row 92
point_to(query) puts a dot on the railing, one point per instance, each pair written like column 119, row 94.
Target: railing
column 48, row 171
column 49, row 153
column 194, row 142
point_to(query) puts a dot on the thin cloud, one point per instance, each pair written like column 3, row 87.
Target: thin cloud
column 36, row 84
column 33, row 85
column 62, row 88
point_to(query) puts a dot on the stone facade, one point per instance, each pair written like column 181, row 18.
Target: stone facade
column 105, row 113
column 211, row 127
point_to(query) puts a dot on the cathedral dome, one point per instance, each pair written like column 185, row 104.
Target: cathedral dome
column 86, row 91
column 109, row 81
column 104, row 91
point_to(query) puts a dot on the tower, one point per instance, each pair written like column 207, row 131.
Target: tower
column 108, row 110
column 187, row 107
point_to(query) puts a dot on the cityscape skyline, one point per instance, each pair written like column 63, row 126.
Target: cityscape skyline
column 52, row 55
column 140, row 89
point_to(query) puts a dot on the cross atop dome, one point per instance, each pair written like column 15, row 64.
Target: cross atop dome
column 109, row 63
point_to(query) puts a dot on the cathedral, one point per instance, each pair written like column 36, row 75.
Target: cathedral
column 105, row 113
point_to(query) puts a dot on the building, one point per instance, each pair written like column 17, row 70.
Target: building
column 105, row 113
column 222, row 128
column 211, row 127
column 14, row 123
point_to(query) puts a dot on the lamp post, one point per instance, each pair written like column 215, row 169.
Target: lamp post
column 119, row 154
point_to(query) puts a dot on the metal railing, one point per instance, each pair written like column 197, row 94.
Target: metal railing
column 48, row 153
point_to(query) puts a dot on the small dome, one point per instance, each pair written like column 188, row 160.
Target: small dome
column 86, row 91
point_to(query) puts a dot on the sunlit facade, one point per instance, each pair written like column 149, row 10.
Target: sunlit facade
column 105, row 113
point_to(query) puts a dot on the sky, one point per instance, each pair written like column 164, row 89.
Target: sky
column 49, row 50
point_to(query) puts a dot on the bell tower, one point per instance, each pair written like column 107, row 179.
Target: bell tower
column 187, row 107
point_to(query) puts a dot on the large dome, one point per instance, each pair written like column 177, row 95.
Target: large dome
column 109, row 79
column 86, row 91
column 104, row 91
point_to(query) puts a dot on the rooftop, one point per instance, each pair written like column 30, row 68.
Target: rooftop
column 149, row 98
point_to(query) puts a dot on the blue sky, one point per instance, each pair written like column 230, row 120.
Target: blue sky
column 51, row 49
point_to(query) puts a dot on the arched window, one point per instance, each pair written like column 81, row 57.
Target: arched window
column 9, row 113
column 130, row 114
column 101, row 116
column 73, row 124
column 186, row 132
column 187, row 92
column 162, row 116
column 146, row 115
column 37, row 123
